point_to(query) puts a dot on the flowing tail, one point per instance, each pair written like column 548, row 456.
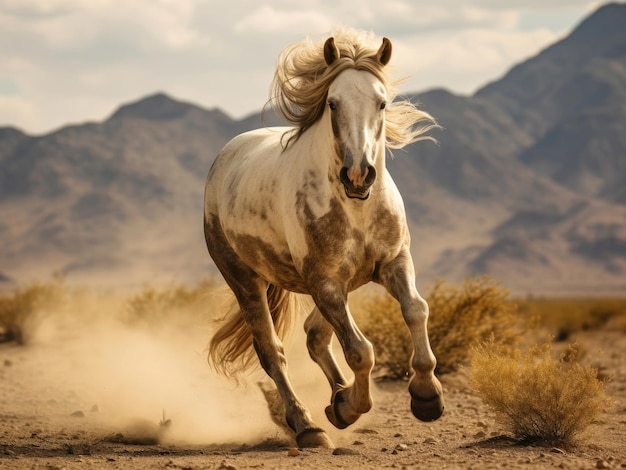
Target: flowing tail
column 230, row 350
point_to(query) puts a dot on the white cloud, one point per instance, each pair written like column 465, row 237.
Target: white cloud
column 76, row 60
column 267, row 19
column 465, row 61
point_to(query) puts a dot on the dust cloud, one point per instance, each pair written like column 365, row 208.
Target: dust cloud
column 133, row 377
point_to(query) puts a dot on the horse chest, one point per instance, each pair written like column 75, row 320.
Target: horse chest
column 348, row 246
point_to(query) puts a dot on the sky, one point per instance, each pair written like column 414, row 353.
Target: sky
column 71, row 61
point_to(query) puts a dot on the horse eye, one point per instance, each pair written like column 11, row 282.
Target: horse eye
column 332, row 106
column 383, row 105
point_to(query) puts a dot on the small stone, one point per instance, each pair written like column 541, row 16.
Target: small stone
column 95, row 409
column 78, row 414
column 402, row 447
column 397, row 434
column 430, row 440
column 8, row 363
column 226, row 466
column 556, row 450
column 482, row 424
column 345, row 451
column 480, row 435
column 293, row 452
column 602, row 464
column 365, row 431
column 357, row 443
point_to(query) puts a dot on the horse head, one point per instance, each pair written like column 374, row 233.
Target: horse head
column 356, row 104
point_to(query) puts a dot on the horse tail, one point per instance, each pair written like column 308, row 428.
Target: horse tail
column 231, row 349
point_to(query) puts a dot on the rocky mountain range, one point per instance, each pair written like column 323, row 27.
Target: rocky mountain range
column 527, row 182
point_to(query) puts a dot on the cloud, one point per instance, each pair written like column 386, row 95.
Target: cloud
column 72, row 60
column 465, row 61
column 267, row 19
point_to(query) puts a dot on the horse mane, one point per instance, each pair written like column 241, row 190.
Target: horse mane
column 302, row 79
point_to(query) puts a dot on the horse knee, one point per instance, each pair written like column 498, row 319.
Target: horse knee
column 417, row 313
column 361, row 358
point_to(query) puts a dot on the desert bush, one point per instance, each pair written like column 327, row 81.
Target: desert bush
column 459, row 317
column 537, row 397
column 567, row 316
column 155, row 304
column 22, row 309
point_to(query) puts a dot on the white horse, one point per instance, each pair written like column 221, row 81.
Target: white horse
column 312, row 210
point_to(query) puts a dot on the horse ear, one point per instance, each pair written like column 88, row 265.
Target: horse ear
column 331, row 53
column 384, row 52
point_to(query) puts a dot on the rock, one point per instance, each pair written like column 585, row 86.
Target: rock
column 401, row 447
column 602, row 464
column 556, row 450
column 78, row 414
column 430, row 440
column 345, row 451
column 293, row 452
column 226, row 466
column 357, row 443
column 480, row 435
column 365, row 431
column 95, row 409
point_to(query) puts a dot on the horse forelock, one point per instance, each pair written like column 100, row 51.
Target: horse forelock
column 302, row 79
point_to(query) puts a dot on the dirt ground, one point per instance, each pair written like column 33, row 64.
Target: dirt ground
column 137, row 401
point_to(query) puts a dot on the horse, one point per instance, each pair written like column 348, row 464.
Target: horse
column 311, row 209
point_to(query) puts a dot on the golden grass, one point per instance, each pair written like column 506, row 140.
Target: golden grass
column 565, row 316
column 24, row 309
column 21, row 309
column 173, row 302
column 460, row 316
column 538, row 398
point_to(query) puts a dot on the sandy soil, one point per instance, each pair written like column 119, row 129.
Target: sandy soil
column 128, row 399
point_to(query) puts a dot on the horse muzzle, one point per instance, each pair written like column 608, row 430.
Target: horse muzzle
column 358, row 191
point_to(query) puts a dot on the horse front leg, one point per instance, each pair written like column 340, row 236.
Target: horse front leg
column 398, row 277
column 349, row 401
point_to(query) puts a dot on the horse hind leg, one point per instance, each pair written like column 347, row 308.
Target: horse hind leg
column 272, row 357
column 251, row 293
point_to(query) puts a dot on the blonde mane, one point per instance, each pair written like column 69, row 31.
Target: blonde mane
column 302, row 79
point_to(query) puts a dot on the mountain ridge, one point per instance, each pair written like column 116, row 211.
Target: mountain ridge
column 533, row 195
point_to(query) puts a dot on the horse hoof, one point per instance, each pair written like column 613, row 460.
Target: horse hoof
column 339, row 413
column 314, row 437
column 334, row 418
column 429, row 409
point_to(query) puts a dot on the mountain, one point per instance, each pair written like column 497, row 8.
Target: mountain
column 577, row 92
column 527, row 182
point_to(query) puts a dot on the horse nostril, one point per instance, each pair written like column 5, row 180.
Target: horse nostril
column 343, row 177
column 371, row 176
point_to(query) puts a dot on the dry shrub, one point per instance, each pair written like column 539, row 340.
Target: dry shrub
column 22, row 309
column 174, row 302
column 540, row 399
column 459, row 317
column 567, row 316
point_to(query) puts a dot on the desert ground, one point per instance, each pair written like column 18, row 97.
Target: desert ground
column 108, row 394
